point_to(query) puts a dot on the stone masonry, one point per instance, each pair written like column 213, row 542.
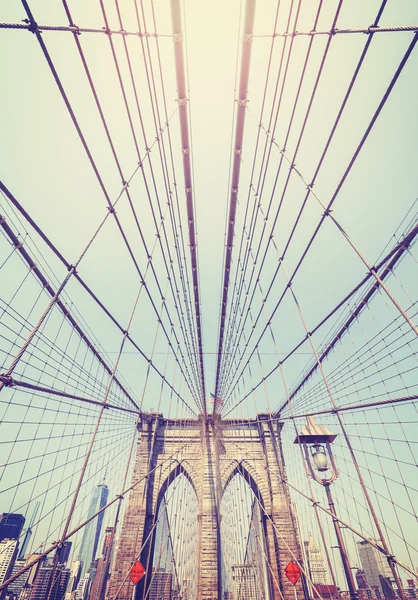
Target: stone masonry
column 209, row 454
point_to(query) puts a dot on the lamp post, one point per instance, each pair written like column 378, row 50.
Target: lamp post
column 316, row 441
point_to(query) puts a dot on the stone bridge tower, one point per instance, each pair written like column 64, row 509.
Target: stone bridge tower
column 209, row 454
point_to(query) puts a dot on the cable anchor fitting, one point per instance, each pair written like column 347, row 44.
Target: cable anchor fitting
column 32, row 26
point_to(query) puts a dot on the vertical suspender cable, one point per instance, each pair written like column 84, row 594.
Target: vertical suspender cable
column 185, row 141
column 239, row 135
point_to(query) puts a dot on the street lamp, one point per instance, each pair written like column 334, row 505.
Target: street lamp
column 316, row 441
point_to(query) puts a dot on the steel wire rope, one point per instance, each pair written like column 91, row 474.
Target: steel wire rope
column 98, row 105
column 255, row 155
column 187, row 79
column 330, row 314
column 258, row 196
column 69, row 534
column 55, row 297
column 80, row 280
column 187, row 172
column 157, row 129
column 238, row 143
column 181, row 257
column 82, row 139
column 346, row 367
column 330, row 137
column 338, row 383
column 347, row 441
column 261, row 180
column 73, row 365
column 96, row 431
column 187, row 296
column 359, row 355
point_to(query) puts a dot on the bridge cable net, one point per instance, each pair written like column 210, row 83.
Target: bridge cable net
column 317, row 315
column 71, row 406
column 359, row 380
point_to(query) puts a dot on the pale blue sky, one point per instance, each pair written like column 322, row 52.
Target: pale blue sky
column 45, row 167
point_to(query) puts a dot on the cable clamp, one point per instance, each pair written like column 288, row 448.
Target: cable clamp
column 248, row 38
column 32, row 26
column 111, row 210
column 123, row 31
column 19, row 246
column 237, row 151
column 189, row 191
column 6, row 380
column 75, row 29
column 234, row 190
column 2, row 220
column 106, row 30
column 241, row 102
column 186, row 151
column 178, row 38
column 181, row 102
column 327, row 212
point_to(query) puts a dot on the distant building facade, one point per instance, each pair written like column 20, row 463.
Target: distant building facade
column 8, row 554
column 48, row 579
column 376, row 569
column 316, row 566
column 15, row 588
column 92, row 530
column 103, row 565
column 11, row 525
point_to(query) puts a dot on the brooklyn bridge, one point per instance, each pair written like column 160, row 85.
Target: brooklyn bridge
column 208, row 300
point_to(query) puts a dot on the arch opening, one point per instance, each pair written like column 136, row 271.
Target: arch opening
column 173, row 566
column 244, row 561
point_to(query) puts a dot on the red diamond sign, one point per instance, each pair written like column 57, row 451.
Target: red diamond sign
column 137, row 572
column 292, row 572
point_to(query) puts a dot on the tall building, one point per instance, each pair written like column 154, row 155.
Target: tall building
column 361, row 580
column 11, row 525
column 103, row 564
column 375, row 567
column 160, row 588
column 25, row 544
column 92, row 530
column 15, row 588
column 316, row 565
column 8, row 553
column 75, row 573
column 83, row 588
column 44, row 582
column 246, row 583
column 64, row 552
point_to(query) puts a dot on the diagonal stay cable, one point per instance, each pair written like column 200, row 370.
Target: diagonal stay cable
column 96, row 172
column 348, row 169
column 60, row 304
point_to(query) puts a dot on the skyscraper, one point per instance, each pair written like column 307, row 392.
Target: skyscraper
column 375, row 567
column 11, row 525
column 43, row 583
column 102, row 572
column 75, row 572
column 316, row 565
column 15, row 588
column 8, row 553
column 93, row 529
